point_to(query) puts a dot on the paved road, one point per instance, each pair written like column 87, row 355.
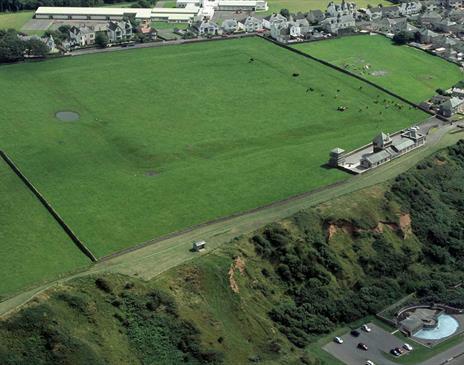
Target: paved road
column 452, row 356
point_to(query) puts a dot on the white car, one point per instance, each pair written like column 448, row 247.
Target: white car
column 369, row 362
column 408, row 347
column 338, row 340
column 366, row 328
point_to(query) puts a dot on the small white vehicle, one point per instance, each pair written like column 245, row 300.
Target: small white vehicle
column 369, row 362
column 408, row 347
column 338, row 340
column 366, row 328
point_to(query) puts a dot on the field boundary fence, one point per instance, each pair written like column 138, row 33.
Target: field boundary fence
column 80, row 245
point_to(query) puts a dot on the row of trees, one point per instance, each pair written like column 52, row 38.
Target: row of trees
column 13, row 49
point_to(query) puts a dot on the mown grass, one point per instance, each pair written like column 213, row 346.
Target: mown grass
column 15, row 20
column 305, row 5
column 175, row 136
column 406, row 71
column 33, row 247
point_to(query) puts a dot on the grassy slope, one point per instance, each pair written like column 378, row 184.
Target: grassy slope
column 224, row 134
column 306, row 5
column 33, row 247
column 409, row 72
column 233, row 323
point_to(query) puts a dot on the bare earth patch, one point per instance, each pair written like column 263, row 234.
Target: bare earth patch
column 405, row 224
column 238, row 264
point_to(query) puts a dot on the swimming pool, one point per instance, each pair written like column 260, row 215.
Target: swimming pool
column 446, row 326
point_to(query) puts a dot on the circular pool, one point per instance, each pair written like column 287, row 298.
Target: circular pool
column 446, row 326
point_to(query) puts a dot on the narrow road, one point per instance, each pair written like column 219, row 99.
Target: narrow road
column 452, row 356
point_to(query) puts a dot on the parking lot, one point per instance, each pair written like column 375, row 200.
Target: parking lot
column 379, row 343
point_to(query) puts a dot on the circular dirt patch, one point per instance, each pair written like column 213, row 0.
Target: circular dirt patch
column 67, row 116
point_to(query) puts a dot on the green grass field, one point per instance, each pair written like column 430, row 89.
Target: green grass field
column 306, row 5
column 175, row 136
column 409, row 72
column 33, row 247
column 15, row 20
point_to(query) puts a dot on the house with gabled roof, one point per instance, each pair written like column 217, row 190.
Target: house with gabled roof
column 253, row 24
column 81, row 36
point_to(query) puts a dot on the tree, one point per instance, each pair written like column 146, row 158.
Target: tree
column 101, row 40
column 35, row 47
column 11, row 47
column 403, row 37
column 285, row 13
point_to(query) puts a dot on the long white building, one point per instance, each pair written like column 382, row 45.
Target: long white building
column 153, row 14
column 185, row 11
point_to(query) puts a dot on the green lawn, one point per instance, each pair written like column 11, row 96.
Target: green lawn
column 174, row 136
column 33, row 247
column 15, row 20
column 407, row 71
column 165, row 25
column 306, row 5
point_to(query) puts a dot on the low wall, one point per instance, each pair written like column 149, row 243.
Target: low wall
column 47, row 206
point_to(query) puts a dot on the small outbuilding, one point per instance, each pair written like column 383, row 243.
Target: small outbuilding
column 198, row 246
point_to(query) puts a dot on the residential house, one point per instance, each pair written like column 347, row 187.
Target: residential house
column 390, row 11
column 253, row 24
column 341, row 22
column 397, row 24
column 230, row 26
column 451, row 4
column 452, row 106
column 274, row 18
column 446, row 25
column 315, row 16
column 119, row 31
column 430, row 18
column 280, row 31
column 344, row 8
column 81, row 36
column 410, row 8
column 206, row 28
column 427, row 36
column 374, row 13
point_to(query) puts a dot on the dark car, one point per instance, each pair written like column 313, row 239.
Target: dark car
column 394, row 352
column 362, row 346
column 355, row 333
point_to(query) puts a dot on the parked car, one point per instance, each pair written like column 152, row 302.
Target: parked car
column 369, row 362
column 366, row 328
column 362, row 346
column 355, row 333
column 400, row 350
column 408, row 347
column 394, row 352
column 338, row 340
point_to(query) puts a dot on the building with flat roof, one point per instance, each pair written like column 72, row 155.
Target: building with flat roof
column 164, row 14
column 186, row 10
